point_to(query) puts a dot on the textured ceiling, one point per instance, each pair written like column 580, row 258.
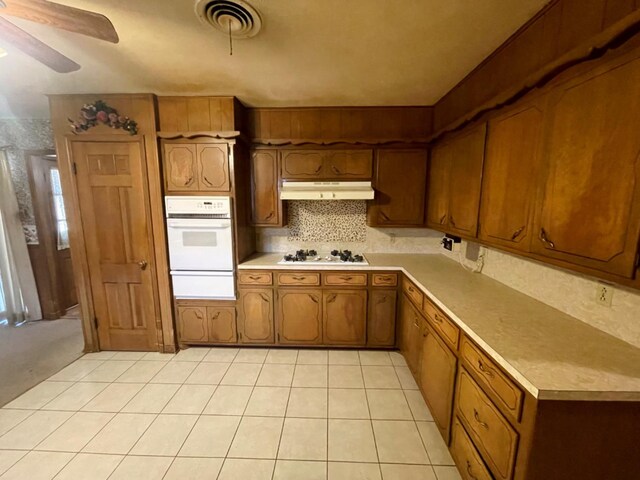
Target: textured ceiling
column 309, row 52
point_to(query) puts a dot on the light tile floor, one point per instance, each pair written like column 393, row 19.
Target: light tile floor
column 225, row 413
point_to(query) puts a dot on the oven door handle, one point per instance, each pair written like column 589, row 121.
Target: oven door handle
column 199, row 227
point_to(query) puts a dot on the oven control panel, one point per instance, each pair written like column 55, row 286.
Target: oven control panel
column 188, row 205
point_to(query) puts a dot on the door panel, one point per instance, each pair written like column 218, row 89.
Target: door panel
column 302, row 164
column 349, row 164
column 344, row 317
column 381, row 325
column 192, row 324
column 180, row 167
column 438, row 186
column 255, row 315
column 267, row 208
column 221, row 322
column 113, row 200
column 299, row 316
column 213, row 168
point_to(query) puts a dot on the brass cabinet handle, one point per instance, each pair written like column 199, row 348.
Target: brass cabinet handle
column 332, row 298
column 437, row 318
column 452, row 221
column 545, row 239
column 318, row 169
column 484, row 369
column 143, row 264
column 442, row 220
column 346, row 278
column 313, row 298
column 188, row 182
column 476, row 416
column 517, row 233
column 384, row 216
column 299, row 278
column 264, row 297
column 207, row 181
column 254, row 277
column 270, row 216
column 336, row 170
column 215, row 317
column 385, row 279
column 469, row 471
column 410, row 288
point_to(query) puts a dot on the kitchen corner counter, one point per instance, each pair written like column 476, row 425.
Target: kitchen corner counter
column 551, row 354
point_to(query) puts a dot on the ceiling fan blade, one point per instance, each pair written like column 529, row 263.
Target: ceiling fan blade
column 61, row 16
column 35, row 48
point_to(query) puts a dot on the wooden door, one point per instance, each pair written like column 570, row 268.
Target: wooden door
column 438, row 185
column 299, row 316
column 344, row 316
column 438, row 367
column 348, row 164
column 192, row 324
column 411, row 335
column 213, row 168
column 510, row 177
column 221, row 324
column 465, row 181
column 381, row 323
column 114, row 205
column 180, row 167
column 589, row 213
column 400, row 183
column 255, row 315
column 302, row 164
column 267, row 207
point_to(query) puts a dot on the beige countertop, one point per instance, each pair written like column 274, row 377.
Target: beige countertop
column 552, row 355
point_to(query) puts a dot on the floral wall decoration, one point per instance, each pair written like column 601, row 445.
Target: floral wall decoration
column 99, row 112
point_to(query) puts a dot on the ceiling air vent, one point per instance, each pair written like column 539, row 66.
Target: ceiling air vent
column 235, row 18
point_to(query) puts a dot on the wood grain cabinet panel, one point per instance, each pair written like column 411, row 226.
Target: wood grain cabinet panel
column 267, row 208
column 449, row 332
column 400, row 183
column 298, row 278
column 494, row 437
column 411, row 325
column 213, row 168
column 337, row 279
column 348, row 164
column 384, row 279
column 221, row 324
column 510, row 177
column 381, row 322
column 589, row 213
column 467, row 458
column 192, row 324
column 437, row 379
column 438, row 185
column 299, row 316
column 254, row 277
column 255, row 315
column 344, row 317
column 302, row 165
column 180, row 167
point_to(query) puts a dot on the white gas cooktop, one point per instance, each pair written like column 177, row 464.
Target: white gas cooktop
column 343, row 258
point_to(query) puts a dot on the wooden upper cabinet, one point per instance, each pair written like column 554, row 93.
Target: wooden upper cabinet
column 589, row 213
column 255, row 315
column 180, row 167
column 299, row 316
column 267, row 207
column 400, row 183
column 455, row 180
column 326, row 164
column 510, row 177
column 344, row 317
column 199, row 114
column 465, row 181
column 196, row 167
column 213, row 168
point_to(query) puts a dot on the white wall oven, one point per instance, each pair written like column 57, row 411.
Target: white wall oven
column 200, row 246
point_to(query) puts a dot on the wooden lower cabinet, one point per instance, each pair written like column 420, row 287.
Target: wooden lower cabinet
column 192, row 324
column 255, row 315
column 299, row 316
column 381, row 322
column 221, row 323
column 203, row 322
column 411, row 325
column 438, row 367
column 466, row 456
column 344, row 318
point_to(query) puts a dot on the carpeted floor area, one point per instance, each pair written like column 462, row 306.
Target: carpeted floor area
column 35, row 351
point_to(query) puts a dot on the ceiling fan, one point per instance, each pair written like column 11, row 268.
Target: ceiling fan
column 57, row 16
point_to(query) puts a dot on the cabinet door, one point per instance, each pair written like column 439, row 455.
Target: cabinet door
column 381, row 324
column 299, row 316
column 589, row 213
column 192, row 324
column 180, row 167
column 213, row 168
column 411, row 335
column 255, row 315
column 348, row 164
column 438, row 186
column 465, row 181
column 510, row 176
column 400, row 183
column 344, row 317
column 267, row 207
column 302, row 164
column 437, row 379
column 221, row 322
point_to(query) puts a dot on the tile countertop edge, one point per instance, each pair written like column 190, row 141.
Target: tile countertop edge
column 268, row 261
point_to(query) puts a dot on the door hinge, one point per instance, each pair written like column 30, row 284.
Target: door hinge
column 95, row 322
column 74, row 167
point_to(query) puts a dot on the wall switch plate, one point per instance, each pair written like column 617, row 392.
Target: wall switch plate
column 604, row 294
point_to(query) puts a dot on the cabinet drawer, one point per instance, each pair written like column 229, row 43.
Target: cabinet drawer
column 490, row 431
column 255, row 278
column 508, row 395
column 412, row 292
column 444, row 326
column 466, row 456
column 384, row 279
column 298, row 278
column 345, row 279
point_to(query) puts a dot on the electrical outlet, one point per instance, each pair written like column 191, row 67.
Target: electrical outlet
column 604, row 294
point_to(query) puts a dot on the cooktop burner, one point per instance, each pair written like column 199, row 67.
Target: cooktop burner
column 344, row 257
